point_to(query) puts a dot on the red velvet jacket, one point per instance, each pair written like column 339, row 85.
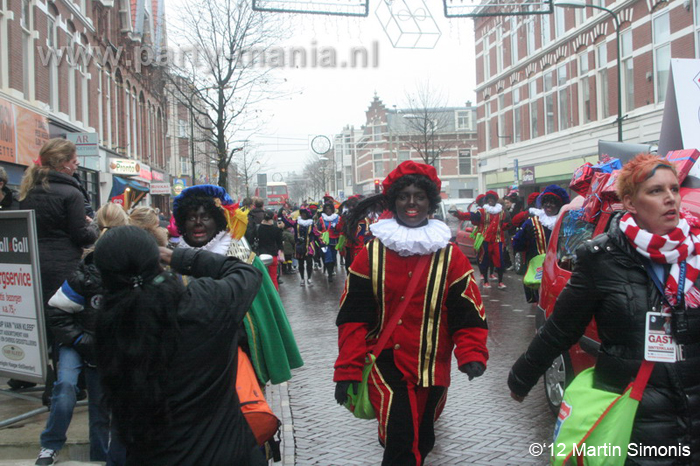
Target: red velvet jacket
column 445, row 311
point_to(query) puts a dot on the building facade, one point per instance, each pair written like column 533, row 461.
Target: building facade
column 547, row 87
column 82, row 67
column 443, row 137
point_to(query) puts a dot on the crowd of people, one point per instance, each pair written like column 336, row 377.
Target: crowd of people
column 152, row 316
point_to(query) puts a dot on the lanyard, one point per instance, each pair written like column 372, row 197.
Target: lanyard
column 659, row 285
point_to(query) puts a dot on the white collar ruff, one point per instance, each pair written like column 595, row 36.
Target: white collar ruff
column 495, row 210
column 411, row 241
column 219, row 244
column 330, row 218
column 304, row 223
column 547, row 221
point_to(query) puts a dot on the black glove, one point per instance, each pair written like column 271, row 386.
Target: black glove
column 341, row 390
column 473, row 369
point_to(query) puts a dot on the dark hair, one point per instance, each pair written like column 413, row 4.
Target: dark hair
column 381, row 202
column 136, row 332
column 269, row 215
column 190, row 203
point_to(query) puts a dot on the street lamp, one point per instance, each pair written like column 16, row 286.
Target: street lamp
column 616, row 22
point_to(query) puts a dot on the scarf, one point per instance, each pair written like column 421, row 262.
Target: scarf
column 679, row 245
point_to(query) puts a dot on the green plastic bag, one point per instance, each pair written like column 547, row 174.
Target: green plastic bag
column 533, row 276
column 325, row 237
column 594, row 426
column 478, row 240
column 358, row 403
column 341, row 243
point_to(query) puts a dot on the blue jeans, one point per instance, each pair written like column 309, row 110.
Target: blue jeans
column 63, row 399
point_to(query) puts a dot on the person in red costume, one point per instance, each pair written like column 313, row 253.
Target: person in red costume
column 492, row 221
column 408, row 384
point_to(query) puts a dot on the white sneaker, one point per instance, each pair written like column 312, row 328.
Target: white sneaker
column 46, row 457
column 308, row 282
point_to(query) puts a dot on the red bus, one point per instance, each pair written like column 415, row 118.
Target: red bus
column 275, row 193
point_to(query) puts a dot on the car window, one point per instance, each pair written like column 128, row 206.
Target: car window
column 574, row 231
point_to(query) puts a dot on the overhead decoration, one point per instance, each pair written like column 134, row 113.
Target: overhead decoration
column 476, row 8
column 408, row 24
column 316, row 7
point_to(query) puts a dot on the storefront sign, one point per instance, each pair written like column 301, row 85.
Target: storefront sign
column 130, row 167
column 145, row 172
column 160, row 189
column 157, row 175
column 86, row 144
column 22, row 331
column 178, row 185
column 22, row 134
column 527, row 175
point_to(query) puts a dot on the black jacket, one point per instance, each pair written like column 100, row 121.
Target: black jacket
column 72, row 310
column 61, row 227
column 207, row 426
column 10, row 201
column 610, row 284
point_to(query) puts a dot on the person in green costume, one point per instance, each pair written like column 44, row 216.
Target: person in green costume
column 207, row 218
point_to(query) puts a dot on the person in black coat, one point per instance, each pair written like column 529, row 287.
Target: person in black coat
column 63, row 228
column 167, row 354
column 612, row 282
column 8, row 198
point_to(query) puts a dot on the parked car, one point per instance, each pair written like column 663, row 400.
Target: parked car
column 569, row 233
column 445, row 209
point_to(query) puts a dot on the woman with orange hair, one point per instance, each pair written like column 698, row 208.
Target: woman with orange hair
column 645, row 269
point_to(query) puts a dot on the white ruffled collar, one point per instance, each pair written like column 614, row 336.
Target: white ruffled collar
column 330, row 218
column 495, row 210
column 219, row 244
column 304, row 222
column 411, row 241
column 547, row 221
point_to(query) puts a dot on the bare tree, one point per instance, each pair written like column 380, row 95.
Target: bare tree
column 248, row 164
column 226, row 70
column 316, row 172
column 425, row 118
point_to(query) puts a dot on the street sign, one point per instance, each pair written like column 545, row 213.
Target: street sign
column 86, row 144
column 160, row 189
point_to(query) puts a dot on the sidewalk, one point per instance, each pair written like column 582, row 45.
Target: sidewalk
column 19, row 442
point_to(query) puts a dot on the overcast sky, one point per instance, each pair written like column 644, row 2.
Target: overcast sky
column 323, row 100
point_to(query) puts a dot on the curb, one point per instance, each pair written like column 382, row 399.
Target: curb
column 278, row 399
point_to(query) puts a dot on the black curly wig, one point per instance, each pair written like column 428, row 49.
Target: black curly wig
column 192, row 203
column 381, row 202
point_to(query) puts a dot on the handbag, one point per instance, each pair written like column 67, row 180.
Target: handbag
column 590, row 418
column 359, row 403
column 533, row 276
column 256, row 411
column 478, row 241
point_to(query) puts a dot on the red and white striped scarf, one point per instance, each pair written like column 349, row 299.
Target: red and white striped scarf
column 679, row 245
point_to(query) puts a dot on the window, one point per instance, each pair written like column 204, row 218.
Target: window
column 487, row 124
column 696, row 15
column 348, row 180
column 27, row 52
column 51, row 43
column 379, row 169
column 530, row 31
column 546, row 30
column 563, row 97
column 548, row 86
column 404, row 155
column 465, row 193
column 499, row 49
column 108, row 104
column 533, row 110
column 559, row 23
column 584, row 87
column 487, row 58
column 501, row 132
column 465, row 162
column 72, row 88
column 602, row 81
column 464, row 120
column 517, row 114
column 83, row 75
column 661, row 32
column 184, row 165
column 101, row 133
column 572, row 234
column 514, row 41
column 376, row 133
column 627, row 70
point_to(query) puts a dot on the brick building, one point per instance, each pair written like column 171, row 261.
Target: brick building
column 390, row 137
column 72, row 67
column 547, row 86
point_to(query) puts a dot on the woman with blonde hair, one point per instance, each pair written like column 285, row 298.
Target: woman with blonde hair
column 72, row 313
column 147, row 218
